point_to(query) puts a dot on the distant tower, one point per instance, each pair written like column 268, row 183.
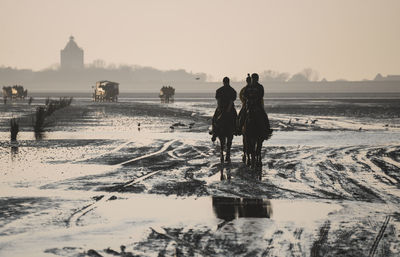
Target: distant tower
column 71, row 55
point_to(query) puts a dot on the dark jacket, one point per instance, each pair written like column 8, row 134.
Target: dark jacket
column 254, row 93
column 224, row 96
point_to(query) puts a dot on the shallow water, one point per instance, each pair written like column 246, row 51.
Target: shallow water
column 120, row 217
column 96, row 181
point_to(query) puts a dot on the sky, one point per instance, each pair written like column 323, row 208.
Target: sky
column 341, row 39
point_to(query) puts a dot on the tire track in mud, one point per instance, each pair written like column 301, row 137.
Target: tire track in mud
column 344, row 167
column 116, row 149
column 196, row 249
column 163, row 149
column 75, row 217
column 78, row 214
column 379, row 237
column 342, row 173
column 323, row 238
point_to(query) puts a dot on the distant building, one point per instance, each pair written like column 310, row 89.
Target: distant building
column 71, row 56
column 379, row 77
column 393, row 77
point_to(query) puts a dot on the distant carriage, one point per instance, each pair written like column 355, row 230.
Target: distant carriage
column 14, row 92
column 167, row 94
column 106, row 91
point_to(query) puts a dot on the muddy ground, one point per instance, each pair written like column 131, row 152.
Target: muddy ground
column 138, row 178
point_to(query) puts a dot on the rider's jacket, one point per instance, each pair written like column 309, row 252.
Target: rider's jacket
column 254, row 94
column 225, row 95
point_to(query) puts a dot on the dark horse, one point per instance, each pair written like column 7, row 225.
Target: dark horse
column 224, row 130
column 254, row 131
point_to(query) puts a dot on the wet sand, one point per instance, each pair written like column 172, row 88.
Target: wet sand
column 98, row 181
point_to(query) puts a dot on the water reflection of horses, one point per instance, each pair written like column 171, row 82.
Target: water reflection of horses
column 229, row 208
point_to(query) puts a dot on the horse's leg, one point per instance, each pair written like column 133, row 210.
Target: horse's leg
column 253, row 153
column 244, row 150
column 248, row 151
column 222, row 144
column 228, row 148
column 258, row 154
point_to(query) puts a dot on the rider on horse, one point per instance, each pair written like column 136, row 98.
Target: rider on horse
column 225, row 96
column 253, row 95
column 240, row 119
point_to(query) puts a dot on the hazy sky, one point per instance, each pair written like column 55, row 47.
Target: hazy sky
column 351, row 39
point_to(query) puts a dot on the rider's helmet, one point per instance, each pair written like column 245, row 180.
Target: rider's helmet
column 254, row 76
column 248, row 79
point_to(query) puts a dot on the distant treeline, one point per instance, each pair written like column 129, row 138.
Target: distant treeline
column 121, row 74
column 148, row 79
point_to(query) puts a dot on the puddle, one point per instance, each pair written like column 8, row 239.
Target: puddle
column 228, row 208
column 175, row 210
column 133, row 216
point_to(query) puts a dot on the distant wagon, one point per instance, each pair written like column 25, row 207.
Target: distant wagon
column 106, row 91
column 167, row 94
column 14, row 92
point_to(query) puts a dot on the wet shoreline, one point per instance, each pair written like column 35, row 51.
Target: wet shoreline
column 97, row 181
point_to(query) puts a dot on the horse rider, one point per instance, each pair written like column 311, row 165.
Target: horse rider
column 240, row 119
column 254, row 93
column 225, row 96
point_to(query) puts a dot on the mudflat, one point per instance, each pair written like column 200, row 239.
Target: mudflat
column 140, row 178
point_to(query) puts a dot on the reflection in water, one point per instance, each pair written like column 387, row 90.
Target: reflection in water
column 14, row 151
column 39, row 135
column 229, row 208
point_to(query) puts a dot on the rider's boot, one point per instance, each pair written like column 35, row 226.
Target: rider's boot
column 212, row 132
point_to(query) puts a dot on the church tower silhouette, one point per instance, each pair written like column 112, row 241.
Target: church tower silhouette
column 71, row 56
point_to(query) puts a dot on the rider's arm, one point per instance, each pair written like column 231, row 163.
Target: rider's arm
column 230, row 105
column 262, row 96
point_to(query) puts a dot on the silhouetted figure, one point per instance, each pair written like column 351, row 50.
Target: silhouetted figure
column 254, row 94
column 255, row 127
column 240, row 119
column 225, row 96
column 224, row 119
column 30, row 100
